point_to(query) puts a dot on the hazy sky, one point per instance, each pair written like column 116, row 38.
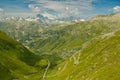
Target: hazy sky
column 59, row 8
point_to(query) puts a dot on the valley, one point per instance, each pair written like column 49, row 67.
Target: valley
column 85, row 50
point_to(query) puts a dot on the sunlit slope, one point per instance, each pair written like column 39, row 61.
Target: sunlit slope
column 110, row 17
column 98, row 60
column 16, row 62
column 64, row 40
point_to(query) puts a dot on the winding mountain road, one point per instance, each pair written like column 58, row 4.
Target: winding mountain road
column 46, row 70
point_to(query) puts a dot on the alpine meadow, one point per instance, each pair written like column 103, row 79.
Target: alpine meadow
column 59, row 42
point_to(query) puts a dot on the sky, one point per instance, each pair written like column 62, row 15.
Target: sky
column 58, row 8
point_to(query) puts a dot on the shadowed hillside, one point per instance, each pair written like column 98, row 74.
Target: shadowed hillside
column 16, row 62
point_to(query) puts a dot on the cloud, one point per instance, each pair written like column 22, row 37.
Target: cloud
column 61, row 8
column 34, row 8
column 116, row 9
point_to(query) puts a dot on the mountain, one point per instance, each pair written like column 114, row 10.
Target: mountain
column 21, row 30
column 65, row 39
column 16, row 62
column 86, row 50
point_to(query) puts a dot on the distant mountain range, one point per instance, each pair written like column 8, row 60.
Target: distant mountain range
column 45, row 21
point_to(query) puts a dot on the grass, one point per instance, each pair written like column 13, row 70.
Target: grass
column 98, row 60
column 16, row 62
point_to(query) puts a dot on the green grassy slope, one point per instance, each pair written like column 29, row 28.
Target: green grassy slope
column 64, row 40
column 98, row 60
column 16, row 62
